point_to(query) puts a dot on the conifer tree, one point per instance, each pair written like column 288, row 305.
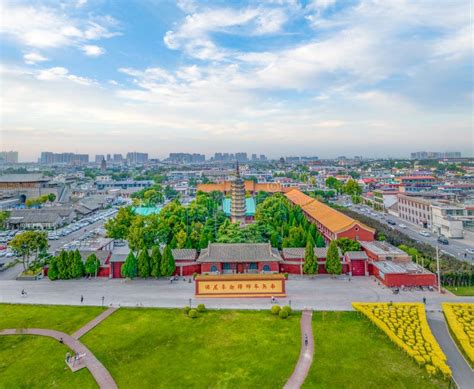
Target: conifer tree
column 143, row 264
column 310, row 266
column 168, row 265
column 77, row 269
column 333, row 262
column 129, row 268
column 320, row 240
column 53, row 272
column 92, row 265
column 155, row 262
column 62, row 262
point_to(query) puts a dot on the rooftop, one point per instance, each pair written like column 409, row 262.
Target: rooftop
column 381, row 248
column 239, row 252
column 18, row 178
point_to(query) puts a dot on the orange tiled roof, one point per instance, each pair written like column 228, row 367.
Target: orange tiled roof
column 250, row 186
column 332, row 219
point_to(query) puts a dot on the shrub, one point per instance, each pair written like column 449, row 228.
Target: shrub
column 287, row 308
column 283, row 314
column 201, row 308
column 193, row 313
column 186, row 309
column 286, row 275
column 194, row 275
column 276, row 309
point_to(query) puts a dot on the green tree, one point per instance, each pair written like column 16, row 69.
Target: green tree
column 4, row 215
column 155, row 262
column 143, row 264
column 334, row 183
column 77, row 269
column 62, row 261
column 310, row 265
column 320, row 242
column 168, row 265
column 53, row 273
column 346, row 244
column 92, row 265
column 333, row 262
column 118, row 227
column 51, row 197
column 28, row 245
column 181, row 239
column 129, row 268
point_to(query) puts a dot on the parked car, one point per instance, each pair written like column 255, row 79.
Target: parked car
column 402, row 226
column 443, row 240
column 426, row 234
column 391, row 222
column 470, row 251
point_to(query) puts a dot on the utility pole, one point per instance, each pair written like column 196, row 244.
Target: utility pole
column 437, row 268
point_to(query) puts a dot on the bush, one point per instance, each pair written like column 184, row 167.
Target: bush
column 283, row 314
column 201, row 308
column 194, row 275
column 193, row 313
column 288, row 309
column 276, row 309
column 186, row 309
column 286, row 275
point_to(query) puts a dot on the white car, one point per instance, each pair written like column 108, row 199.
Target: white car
column 426, row 234
column 402, row 226
column 470, row 251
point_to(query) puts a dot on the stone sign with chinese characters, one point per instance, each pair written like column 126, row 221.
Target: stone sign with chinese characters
column 241, row 285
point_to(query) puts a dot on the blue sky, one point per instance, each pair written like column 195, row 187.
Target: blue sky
column 321, row 77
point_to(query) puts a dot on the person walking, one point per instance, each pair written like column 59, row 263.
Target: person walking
column 424, row 300
column 82, row 298
column 306, row 340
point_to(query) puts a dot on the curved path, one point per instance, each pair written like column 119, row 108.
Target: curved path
column 463, row 375
column 306, row 355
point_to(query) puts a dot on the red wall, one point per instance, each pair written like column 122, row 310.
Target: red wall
column 357, row 232
column 117, row 269
column 188, row 270
column 104, row 271
column 397, row 280
column 290, row 268
column 206, row 267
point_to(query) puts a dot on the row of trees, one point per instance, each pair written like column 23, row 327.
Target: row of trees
column 69, row 265
column 350, row 188
column 145, row 265
column 40, row 200
column 333, row 261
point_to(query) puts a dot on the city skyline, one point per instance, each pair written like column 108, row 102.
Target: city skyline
column 320, row 77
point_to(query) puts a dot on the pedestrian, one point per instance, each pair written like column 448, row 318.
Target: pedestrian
column 424, row 300
column 82, row 298
column 61, row 340
column 68, row 357
column 306, row 340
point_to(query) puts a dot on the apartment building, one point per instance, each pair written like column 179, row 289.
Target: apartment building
column 415, row 210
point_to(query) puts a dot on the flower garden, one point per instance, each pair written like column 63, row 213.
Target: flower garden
column 460, row 318
column 406, row 325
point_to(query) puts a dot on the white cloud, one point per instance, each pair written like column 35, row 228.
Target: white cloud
column 46, row 27
column 59, row 73
column 193, row 35
column 33, row 58
column 92, row 50
column 81, row 3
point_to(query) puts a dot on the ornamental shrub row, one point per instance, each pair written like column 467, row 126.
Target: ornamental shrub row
column 406, row 326
column 460, row 318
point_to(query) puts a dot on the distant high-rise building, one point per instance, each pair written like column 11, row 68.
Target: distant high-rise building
column 9, row 156
column 103, row 166
column 99, row 158
column 118, row 158
column 49, row 158
column 435, row 154
column 241, row 157
column 186, row 158
column 136, row 157
column 254, row 157
column 263, row 157
column 109, row 158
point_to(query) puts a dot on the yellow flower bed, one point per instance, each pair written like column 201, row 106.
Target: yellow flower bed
column 406, row 325
column 460, row 318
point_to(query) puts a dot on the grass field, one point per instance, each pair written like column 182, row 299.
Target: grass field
column 461, row 290
column 220, row 349
column 352, row 353
column 28, row 361
column 54, row 317
column 38, row 362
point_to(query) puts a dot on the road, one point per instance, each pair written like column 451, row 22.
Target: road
column 456, row 247
column 12, row 273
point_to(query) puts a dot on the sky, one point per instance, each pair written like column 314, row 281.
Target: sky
column 378, row 78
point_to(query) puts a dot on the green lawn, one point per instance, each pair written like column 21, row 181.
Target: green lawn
column 163, row 348
column 28, row 361
column 461, row 290
column 54, row 317
column 38, row 362
column 352, row 353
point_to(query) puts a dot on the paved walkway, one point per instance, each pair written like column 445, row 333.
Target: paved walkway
column 462, row 373
column 98, row 371
column 306, row 355
column 104, row 315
